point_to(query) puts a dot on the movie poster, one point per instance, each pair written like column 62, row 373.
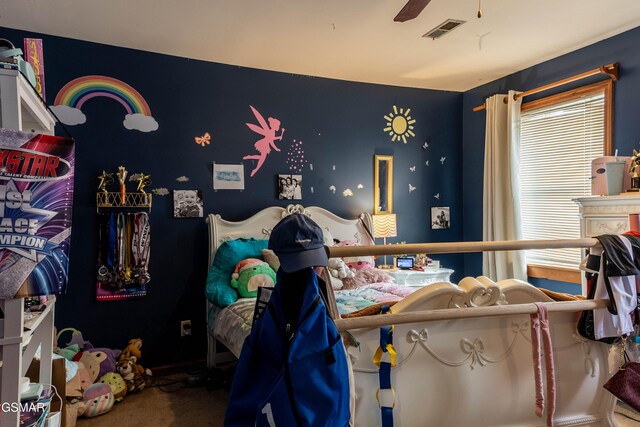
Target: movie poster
column 36, row 197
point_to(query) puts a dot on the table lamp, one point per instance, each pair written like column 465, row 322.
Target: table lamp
column 384, row 225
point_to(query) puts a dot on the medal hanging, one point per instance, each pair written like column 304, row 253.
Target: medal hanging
column 104, row 275
column 121, row 250
column 141, row 246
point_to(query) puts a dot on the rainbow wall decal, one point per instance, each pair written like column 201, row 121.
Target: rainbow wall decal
column 70, row 99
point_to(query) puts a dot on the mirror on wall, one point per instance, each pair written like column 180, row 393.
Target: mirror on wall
column 382, row 184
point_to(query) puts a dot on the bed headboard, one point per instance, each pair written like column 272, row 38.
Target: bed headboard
column 259, row 226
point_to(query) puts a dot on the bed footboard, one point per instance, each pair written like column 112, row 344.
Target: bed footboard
column 479, row 371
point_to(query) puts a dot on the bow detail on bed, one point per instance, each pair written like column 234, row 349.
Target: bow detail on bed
column 415, row 336
column 474, row 349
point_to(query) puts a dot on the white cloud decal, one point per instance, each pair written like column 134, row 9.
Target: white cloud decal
column 69, row 115
column 140, row 122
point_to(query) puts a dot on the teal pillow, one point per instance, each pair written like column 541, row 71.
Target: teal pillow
column 218, row 289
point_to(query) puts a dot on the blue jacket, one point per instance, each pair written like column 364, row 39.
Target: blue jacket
column 291, row 373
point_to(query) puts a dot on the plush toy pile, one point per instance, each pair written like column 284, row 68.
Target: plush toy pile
column 101, row 376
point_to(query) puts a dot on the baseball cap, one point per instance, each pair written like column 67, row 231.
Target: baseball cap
column 298, row 243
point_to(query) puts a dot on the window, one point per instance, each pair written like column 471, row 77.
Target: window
column 560, row 135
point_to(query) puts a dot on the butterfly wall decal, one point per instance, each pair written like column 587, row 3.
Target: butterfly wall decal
column 427, row 163
column 411, row 188
column 437, row 196
column 332, row 189
column 442, row 159
column 425, row 145
column 412, row 168
column 203, row 140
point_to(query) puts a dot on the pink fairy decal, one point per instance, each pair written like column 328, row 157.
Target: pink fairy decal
column 264, row 145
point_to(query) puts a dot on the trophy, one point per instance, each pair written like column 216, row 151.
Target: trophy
column 122, row 174
column 633, row 170
column 143, row 181
column 105, row 179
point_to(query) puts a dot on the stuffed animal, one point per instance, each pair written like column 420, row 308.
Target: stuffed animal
column 339, row 269
column 132, row 349
column 357, row 263
column 250, row 274
column 68, row 352
column 100, row 361
column 98, row 399
column 134, row 375
column 76, row 338
column 117, row 384
column 81, row 381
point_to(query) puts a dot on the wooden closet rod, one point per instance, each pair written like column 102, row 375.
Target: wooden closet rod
column 610, row 70
column 464, row 313
column 458, row 247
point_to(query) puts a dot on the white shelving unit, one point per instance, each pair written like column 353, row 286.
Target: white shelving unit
column 20, row 334
column 605, row 215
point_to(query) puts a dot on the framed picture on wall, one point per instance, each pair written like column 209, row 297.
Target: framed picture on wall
column 440, row 218
column 228, row 177
column 289, row 187
column 187, row 204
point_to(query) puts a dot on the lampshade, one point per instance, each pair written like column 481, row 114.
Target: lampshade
column 384, row 225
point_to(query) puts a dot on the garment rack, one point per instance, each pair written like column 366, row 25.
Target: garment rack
column 460, row 313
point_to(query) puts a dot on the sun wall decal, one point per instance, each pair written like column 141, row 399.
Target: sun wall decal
column 399, row 124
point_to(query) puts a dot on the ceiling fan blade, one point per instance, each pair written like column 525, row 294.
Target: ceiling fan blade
column 411, row 10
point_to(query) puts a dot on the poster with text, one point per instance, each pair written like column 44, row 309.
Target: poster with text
column 36, row 197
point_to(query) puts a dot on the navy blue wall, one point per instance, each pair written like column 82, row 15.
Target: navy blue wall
column 626, row 127
column 339, row 122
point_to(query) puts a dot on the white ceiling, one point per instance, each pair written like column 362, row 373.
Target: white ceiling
column 353, row 40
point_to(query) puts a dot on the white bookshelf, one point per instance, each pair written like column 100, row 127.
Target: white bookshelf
column 20, row 333
column 605, row 215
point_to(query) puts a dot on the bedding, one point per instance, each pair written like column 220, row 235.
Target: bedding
column 232, row 324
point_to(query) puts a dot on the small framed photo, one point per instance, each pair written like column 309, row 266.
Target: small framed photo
column 289, row 187
column 440, row 218
column 187, row 204
column 228, row 177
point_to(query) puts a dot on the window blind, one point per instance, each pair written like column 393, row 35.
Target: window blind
column 557, row 144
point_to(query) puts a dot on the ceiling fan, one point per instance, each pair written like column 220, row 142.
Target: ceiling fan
column 411, row 10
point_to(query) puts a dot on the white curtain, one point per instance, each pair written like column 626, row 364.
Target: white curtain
column 501, row 197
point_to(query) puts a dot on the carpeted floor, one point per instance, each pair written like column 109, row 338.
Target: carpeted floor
column 170, row 405
column 176, row 405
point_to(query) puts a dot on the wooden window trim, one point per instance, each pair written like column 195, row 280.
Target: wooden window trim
column 605, row 86
column 561, row 274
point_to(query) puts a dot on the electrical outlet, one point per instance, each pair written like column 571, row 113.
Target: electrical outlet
column 185, row 328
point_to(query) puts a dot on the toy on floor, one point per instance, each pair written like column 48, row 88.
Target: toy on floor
column 80, row 382
column 99, row 361
column 76, row 338
column 250, row 274
column 132, row 349
column 117, row 384
column 135, row 376
column 98, row 399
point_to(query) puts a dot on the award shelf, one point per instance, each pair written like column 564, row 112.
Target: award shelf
column 22, row 333
column 135, row 200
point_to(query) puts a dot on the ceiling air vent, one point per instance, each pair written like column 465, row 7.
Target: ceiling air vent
column 444, row 28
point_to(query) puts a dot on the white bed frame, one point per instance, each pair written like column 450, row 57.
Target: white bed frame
column 468, row 360
column 259, row 227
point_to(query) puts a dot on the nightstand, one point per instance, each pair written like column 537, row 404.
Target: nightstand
column 420, row 278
